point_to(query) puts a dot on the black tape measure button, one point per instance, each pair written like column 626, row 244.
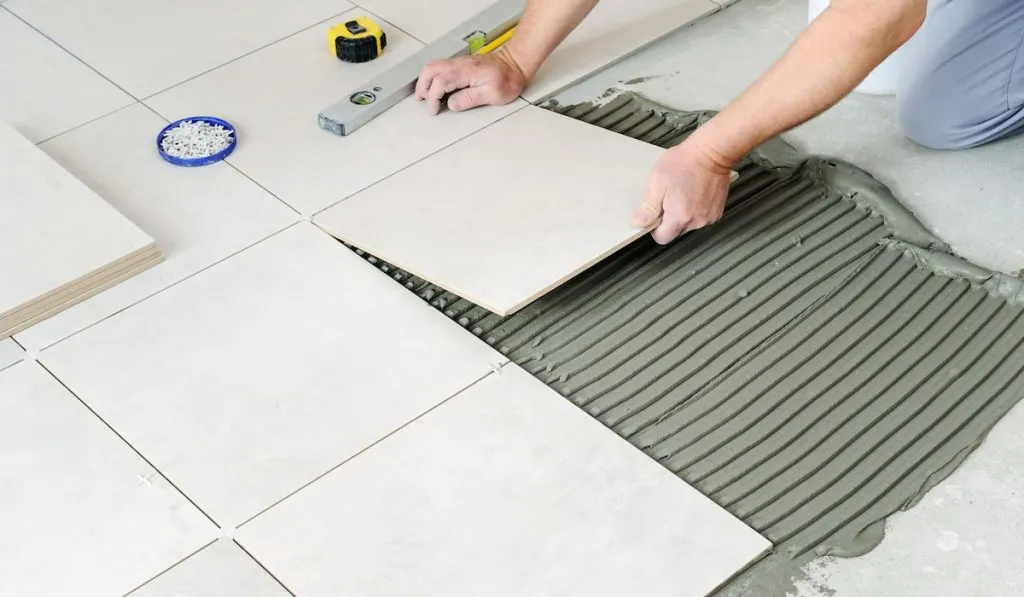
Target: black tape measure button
column 355, row 28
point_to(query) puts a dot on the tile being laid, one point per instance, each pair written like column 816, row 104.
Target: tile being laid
column 262, row 372
column 220, row 569
column 81, row 513
column 146, row 46
column 39, row 84
column 508, row 214
column 612, row 31
column 273, row 97
column 507, row 489
column 10, row 353
column 198, row 216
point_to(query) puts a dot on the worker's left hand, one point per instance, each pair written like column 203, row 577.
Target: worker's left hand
column 686, row 189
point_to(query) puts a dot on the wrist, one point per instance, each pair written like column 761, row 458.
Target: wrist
column 526, row 62
column 707, row 146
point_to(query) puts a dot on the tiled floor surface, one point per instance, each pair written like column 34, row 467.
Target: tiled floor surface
column 265, row 413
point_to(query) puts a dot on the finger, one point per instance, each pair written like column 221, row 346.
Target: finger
column 471, row 97
column 442, row 85
column 650, row 209
column 430, row 70
column 670, row 228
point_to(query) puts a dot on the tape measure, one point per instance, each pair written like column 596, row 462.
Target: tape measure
column 358, row 40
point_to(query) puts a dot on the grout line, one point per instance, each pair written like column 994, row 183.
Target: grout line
column 228, row 163
column 87, row 123
column 369, row 446
column 237, row 58
column 68, row 52
column 171, row 567
column 380, row 18
column 127, row 443
column 168, row 287
column 420, row 159
column 265, row 569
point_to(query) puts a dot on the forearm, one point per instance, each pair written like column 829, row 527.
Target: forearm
column 832, row 56
column 545, row 24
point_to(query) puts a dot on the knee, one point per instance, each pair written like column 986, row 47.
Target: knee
column 930, row 119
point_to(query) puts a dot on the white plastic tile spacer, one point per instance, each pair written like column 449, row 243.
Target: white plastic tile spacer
column 29, row 356
column 495, row 368
column 227, row 532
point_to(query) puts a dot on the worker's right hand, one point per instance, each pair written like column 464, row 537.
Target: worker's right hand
column 490, row 79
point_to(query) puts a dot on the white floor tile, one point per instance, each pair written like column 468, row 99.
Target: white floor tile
column 47, row 91
column 221, row 569
column 273, row 98
column 255, row 376
column 507, row 489
column 426, row 21
column 146, row 46
column 198, row 216
column 10, row 353
column 82, row 514
column 614, row 30
column 508, row 214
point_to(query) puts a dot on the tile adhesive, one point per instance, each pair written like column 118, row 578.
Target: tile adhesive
column 813, row 363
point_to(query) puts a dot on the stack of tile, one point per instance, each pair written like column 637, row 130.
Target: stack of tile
column 61, row 243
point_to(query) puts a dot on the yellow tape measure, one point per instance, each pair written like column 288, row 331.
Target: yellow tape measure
column 358, row 40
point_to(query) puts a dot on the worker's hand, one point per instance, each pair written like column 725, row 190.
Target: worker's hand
column 686, row 189
column 491, row 79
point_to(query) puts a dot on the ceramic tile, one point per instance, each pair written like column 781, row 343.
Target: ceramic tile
column 10, row 353
column 146, row 46
column 38, row 84
column 506, row 489
column 262, row 372
column 56, row 230
column 508, row 214
column 81, row 513
column 219, row 570
column 274, row 96
column 198, row 216
column 614, row 30
column 427, row 21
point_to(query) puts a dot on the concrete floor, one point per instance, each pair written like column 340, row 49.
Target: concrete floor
column 966, row 537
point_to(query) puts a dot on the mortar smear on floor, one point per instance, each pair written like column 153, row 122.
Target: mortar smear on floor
column 813, row 363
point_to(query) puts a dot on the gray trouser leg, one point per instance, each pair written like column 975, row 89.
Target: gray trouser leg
column 963, row 78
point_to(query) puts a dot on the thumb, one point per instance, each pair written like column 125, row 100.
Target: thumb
column 650, row 210
column 469, row 98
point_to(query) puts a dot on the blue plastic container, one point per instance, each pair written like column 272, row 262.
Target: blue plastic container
column 204, row 161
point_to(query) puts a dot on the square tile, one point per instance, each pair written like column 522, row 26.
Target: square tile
column 81, row 513
column 612, row 31
column 506, row 489
column 38, row 84
column 273, row 98
column 255, row 376
column 10, row 353
column 146, row 46
column 508, row 214
column 427, row 21
column 220, row 569
column 59, row 236
column 198, row 216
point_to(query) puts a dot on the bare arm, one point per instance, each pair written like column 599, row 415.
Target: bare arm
column 688, row 186
column 499, row 77
column 545, row 24
column 839, row 49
